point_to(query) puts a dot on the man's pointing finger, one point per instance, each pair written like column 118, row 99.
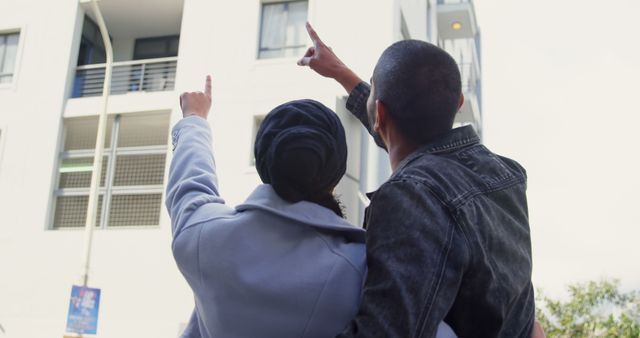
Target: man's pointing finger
column 314, row 36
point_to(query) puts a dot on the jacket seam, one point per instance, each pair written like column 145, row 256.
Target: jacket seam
column 444, row 253
column 429, row 306
column 470, row 194
column 451, row 212
column 452, row 222
column 200, row 277
column 336, row 252
column 455, row 203
column 187, row 227
column 315, row 306
column 454, row 145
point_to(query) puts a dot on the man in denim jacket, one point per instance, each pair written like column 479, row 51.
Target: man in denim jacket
column 448, row 234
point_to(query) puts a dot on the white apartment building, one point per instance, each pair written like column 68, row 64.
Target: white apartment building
column 51, row 75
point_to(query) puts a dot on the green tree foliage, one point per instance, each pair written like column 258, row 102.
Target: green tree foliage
column 593, row 309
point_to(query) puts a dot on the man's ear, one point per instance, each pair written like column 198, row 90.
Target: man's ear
column 461, row 102
column 381, row 118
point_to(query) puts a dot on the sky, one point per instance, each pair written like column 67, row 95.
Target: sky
column 560, row 96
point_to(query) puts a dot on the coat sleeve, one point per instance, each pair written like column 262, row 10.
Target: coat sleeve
column 192, row 194
column 192, row 176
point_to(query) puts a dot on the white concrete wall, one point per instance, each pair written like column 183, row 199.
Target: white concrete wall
column 37, row 267
column 143, row 293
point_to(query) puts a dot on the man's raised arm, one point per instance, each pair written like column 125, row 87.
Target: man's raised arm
column 325, row 62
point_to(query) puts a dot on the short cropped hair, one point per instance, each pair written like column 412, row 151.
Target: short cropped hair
column 420, row 85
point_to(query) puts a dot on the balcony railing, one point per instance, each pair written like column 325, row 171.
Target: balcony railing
column 469, row 74
column 149, row 75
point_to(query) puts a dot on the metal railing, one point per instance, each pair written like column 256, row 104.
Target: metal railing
column 469, row 74
column 471, row 81
column 149, row 75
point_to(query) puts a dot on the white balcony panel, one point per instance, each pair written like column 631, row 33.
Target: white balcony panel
column 130, row 102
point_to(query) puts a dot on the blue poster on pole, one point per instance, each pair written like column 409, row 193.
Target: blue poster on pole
column 83, row 310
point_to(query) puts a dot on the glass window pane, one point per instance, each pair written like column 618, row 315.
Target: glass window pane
column 71, row 211
column 173, row 46
column 76, row 172
column 80, row 133
column 283, row 31
column 160, row 47
column 10, row 54
column 294, row 52
column 273, row 30
column 139, row 170
column 296, row 31
column 135, row 210
column 3, row 47
column 143, row 130
column 90, row 30
column 269, row 54
column 130, row 169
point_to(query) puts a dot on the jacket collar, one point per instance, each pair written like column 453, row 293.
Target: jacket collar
column 454, row 139
column 310, row 214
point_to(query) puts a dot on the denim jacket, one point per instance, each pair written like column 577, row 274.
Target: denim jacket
column 447, row 239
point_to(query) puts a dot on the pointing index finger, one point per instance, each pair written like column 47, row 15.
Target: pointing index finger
column 312, row 33
column 207, row 86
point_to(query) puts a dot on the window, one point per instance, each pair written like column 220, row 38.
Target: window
column 8, row 55
column 153, row 48
column 132, row 177
column 282, row 31
column 91, row 44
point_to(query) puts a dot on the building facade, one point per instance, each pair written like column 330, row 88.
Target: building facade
column 51, row 76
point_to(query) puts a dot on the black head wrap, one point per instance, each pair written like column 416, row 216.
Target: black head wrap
column 301, row 151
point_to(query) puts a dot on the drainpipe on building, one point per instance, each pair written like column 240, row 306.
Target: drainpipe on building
column 97, row 159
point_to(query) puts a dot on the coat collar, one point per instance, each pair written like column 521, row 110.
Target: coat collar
column 311, row 214
column 454, row 139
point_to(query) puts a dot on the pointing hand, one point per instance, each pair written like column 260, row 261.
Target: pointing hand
column 197, row 103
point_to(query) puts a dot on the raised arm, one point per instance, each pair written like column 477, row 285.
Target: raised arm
column 192, row 175
column 325, row 62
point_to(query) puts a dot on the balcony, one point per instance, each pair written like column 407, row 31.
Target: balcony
column 150, row 75
column 145, row 51
column 459, row 35
column 456, row 19
column 471, row 112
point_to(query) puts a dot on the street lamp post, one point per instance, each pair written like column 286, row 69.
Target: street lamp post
column 97, row 159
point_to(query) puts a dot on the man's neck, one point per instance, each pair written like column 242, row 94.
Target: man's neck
column 398, row 152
